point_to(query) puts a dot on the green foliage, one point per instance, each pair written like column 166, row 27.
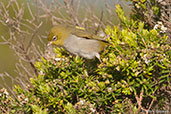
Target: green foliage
column 135, row 65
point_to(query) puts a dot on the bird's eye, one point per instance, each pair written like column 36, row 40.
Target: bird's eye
column 54, row 38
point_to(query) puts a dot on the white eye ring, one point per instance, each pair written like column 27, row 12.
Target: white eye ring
column 54, row 38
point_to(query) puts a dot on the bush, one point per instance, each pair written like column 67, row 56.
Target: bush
column 154, row 13
column 132, row 77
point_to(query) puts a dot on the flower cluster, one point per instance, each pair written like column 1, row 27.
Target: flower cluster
column 161, row 27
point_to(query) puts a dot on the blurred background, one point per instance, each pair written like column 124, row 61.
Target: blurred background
column 24, row 26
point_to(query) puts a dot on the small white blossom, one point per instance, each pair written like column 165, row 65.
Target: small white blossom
column 92, row 109
column 5, row 92
column 160, row 26
column 163, row 29
column 41, row 72
column 160, row 1
column 0, row 94
column 26, row 99
column 18, row 97
column 58, row 59
column 96, row 24
column 147, row 61
column 160, row 23
column 161, row 60
column 145, row 55
column 156, row 26
column 82, row 102
column 109, row 89
column 122, row 43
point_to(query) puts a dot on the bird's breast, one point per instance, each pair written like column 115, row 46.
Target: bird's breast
column 87, row 48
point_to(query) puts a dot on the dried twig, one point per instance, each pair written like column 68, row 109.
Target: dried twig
column 139, row 102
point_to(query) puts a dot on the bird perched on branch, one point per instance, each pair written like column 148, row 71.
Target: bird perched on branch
column 77, row 41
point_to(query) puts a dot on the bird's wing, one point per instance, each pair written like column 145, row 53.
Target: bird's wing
column 87, row 35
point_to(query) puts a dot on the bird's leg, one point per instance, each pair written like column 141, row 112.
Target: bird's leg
column 98, row 56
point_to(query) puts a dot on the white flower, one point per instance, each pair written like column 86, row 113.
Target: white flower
column 160, row 1
column 122, row 43
column 82, row 102
column 147, row 61
column 161, row 60
column 26, row 99
column 58, row 59
column 5, row 92
column 109, row 89
column 160, row 23
column 96, row 24
column 145, row 55
column 92, row 109
column 41, row 72
column 156, row 26
column 160, row 26
column 18, row 97
column 163, row 29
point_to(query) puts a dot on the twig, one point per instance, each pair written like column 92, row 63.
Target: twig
column 99, row 25
column 33, row 35
column 139, row 101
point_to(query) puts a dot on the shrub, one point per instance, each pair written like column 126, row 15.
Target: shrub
column 153, row 13
column 132, row 77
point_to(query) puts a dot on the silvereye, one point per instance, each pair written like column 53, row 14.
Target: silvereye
column 77, row 41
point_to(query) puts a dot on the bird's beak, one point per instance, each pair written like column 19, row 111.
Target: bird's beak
column 50, row 43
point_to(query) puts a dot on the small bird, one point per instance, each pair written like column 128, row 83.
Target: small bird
column 77, row 41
